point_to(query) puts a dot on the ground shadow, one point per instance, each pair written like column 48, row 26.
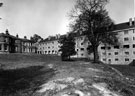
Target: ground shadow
column 23, row 80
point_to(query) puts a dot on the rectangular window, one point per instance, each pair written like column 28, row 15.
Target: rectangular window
column 81, row 54
column 116, row 53
column 126, row 59
column 109, row 60
column 82, row 49
column 103, row 48
column 0, row 47
column 77, row 50
column 125, row 46
column 5, row 47
column 133, row 45
column 134, row 52
column 127, row 53
column 108, row 48
column 116, row 59
column 116, row 47
column 126, row 39
column 109, row 53
column 133, row 38
column 104, row 59
column 81, row 43
column 125, row 31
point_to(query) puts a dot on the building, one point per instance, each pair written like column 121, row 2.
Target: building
column 125, row 52
column 14, row 44
column 49, row 45
column 120, row 54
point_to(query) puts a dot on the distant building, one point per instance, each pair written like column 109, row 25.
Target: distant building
column 120, row 54
column 49, row 46
column 123, row 53
column 14, row 44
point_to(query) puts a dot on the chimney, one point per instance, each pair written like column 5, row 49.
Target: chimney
column 130, row 21
column 17, row 35
column 7, row 33
column 25, row 37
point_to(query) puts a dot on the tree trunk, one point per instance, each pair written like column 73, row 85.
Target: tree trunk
column 96, row 57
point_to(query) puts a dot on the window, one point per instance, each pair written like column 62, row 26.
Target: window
column 82, row 49
column 109, row 53
column 5, row 47
column 133, row 45
column 109, row 60
column 126, row 59
column 103, row 48
column 77, row 50
column 125, row 31
column 116, row 53
column 108, row 48
column 126, row 39
column 116, row 59
column 127, row 53
column 104, row 59
column 134, row 52
column 133, row 38
column 81, row 54
column 48, row 47
column 81, row 43
column 125, row 46
column 0, row 46
column 116, row 47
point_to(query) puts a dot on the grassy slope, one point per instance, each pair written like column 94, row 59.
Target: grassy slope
column 29, row 77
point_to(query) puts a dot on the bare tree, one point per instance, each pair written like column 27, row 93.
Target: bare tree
column 91, row 17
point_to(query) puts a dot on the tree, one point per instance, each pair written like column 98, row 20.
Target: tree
column 36, row 37
column 91, row 17
column 67, row 46
column 1, row 4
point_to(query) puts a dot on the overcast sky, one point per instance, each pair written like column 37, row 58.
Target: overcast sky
column 49, row 17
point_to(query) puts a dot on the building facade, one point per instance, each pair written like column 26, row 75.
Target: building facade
column 14, row 44
column 120, row 54
column 124, row 53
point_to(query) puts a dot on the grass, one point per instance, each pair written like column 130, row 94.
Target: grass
column 22, row 74
column 126, row 70
column 19, row 80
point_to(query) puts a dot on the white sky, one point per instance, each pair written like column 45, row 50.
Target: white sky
column 50, row 17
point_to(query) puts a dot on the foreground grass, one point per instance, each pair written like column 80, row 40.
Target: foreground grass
column 23, row 74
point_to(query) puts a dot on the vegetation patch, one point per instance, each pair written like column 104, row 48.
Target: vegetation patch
column 24, row 81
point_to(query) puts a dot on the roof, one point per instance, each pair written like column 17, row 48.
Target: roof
column 122, row 26
column 17, row 38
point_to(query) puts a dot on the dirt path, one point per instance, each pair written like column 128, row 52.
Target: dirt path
column 79, row 79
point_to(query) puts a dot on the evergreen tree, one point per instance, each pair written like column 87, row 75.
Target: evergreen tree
column 67, row 47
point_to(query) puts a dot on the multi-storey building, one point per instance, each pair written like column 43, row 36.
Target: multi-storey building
column 49, row 46
column 124, row 53
column 120, row 54
column 14, row 44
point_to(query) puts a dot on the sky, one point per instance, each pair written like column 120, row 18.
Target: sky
column 50, row 17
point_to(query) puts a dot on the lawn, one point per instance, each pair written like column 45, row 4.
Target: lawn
column 23, row 74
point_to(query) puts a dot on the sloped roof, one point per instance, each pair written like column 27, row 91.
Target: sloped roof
column 122, row 26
